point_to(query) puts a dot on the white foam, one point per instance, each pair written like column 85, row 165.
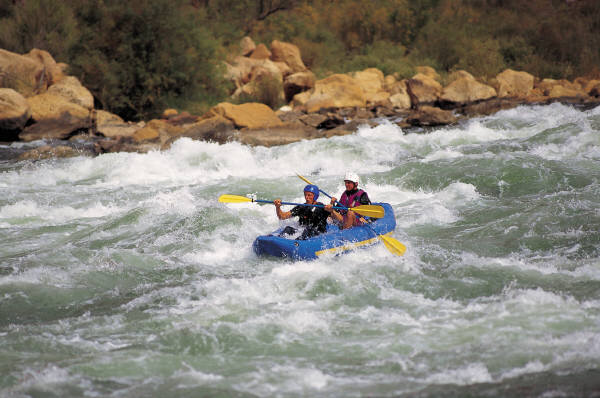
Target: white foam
column 53, row 214
column 470, row 374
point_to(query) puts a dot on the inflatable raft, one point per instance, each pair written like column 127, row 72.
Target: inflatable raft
column 334, row 241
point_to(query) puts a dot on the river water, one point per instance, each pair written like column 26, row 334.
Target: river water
column 123, row 276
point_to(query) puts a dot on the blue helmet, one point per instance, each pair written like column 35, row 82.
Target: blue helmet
column 312, row 188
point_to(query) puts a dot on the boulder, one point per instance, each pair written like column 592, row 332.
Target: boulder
column 428, row 71
column 593, row 88
column 335, row 91
column 466, row 89
column 169, row 113
column 216, row 129
column 250, row 115
column 247, row 45
column 14, row 113
column 287, row 53
column 423, row 89
column 111, row 126
column 400, row 100
column 430, row 116
column 261, row 52
column 283, row 135
column 23, row 74
column 55, row 118
column 511, row 83
column 53, row 72
column 371, row 81
column 71, row 89
column 297, row 83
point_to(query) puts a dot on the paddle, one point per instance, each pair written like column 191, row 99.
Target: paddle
column 393, row 245
column 365, row 210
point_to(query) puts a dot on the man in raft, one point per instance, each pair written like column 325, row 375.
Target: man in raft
column 351, row 197
column 313, row 218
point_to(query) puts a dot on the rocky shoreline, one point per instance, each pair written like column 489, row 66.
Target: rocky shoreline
column 38, row 101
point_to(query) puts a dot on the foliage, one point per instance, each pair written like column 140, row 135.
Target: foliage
column 43, row 24
column 140, row 57
column 137, row 57
column 267, row 90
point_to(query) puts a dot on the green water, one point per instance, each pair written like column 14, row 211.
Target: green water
column 122, row 275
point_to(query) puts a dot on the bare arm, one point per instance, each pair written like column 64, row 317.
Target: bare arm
column 282, row 215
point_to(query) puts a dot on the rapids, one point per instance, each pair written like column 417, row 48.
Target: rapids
column 121, row 275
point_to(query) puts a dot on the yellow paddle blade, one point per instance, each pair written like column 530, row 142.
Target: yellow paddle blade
column 304, row 179
column 373, row 211
column 394, row 246
column 234, row 199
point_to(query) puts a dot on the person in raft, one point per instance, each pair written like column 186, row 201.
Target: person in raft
column 314, row 219
column 351, row 197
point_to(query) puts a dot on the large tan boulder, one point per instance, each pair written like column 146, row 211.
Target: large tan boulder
column 52, row 71
column 371, row 81
column 560, row 88
column 335, row 91
column 14, row 113
column 466, row 89
column 297, row 83
column 52, row 106
column 287, row 53
column 55, row 118
column 71, row 89
column 424, row 89
column 251, row 115
column 23, row 74
column 514, row 84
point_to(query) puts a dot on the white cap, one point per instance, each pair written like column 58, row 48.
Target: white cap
column 351, row 176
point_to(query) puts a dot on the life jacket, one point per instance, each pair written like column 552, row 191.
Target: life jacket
column 351, row 200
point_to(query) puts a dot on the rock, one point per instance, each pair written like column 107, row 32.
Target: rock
column 297, row 83
column 465, row 90
column 261, row 52
column 400, row 100
column 183, row 118
column 429, row 72
column 560, row 91
column 145, row 134
column 23, row 74
column 514, row 84
column 53, row 72
column 285, row 69
column 370, row 80
column 215, row 129
column 71, row 89
column 424, row 89
column 169, row 113
column 247, row 46
column 49, row 152
column 14, row 114
column 593, row 88
column 287, row 53
column 459, row 74
column 250, row 115
column 286, row 134
column 55, row 118
column 430, row 116
column 335, row 91
column 490, row 106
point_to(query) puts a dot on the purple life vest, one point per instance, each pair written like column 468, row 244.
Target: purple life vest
column 352, row 200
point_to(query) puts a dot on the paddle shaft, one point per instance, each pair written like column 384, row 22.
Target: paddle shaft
column 296, row 204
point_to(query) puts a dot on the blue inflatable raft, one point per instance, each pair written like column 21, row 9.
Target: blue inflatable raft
column 334, row 241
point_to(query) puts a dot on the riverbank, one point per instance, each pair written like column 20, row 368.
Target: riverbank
column 39, row 101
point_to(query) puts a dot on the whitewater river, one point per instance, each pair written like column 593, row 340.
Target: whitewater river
column 123, row 276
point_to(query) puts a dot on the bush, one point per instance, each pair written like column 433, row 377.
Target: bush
column 138, row 58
